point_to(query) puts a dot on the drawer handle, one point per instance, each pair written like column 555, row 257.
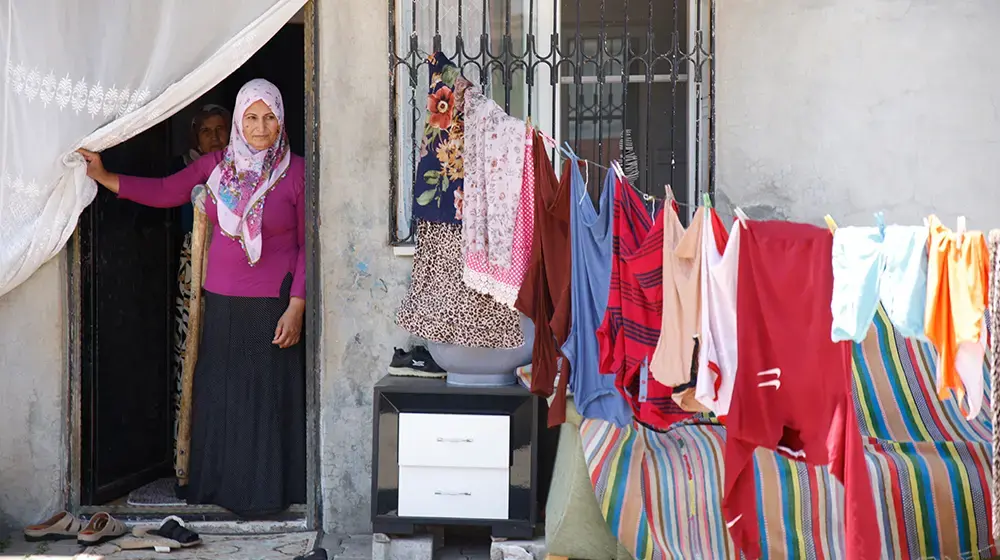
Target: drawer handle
column 440, row 493
column 454, row 440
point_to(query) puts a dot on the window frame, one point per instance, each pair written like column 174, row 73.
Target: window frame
column 699, row 108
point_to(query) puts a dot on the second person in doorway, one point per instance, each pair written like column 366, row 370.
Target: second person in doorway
column 248, row 418
column 209, row 132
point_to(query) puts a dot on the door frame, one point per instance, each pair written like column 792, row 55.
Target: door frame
column 312, row 320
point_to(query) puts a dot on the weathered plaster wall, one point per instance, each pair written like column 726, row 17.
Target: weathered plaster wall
column 33, row 458
column 362, row 281
column 852, row 106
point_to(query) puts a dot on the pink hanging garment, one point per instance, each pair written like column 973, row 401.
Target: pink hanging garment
column 504, row 283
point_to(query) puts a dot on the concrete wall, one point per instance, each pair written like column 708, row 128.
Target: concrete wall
column 33, row 451
column 852, row 106
column 362, row 281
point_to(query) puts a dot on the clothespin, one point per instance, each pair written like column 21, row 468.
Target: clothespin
column 706, row 200
column 961, row 226
column 618, row 170
column 547, row 139
column 880, row 222
column 741, row 216
column 527, row 121
column 669, row 192
column 830, row 223
column 568, row 150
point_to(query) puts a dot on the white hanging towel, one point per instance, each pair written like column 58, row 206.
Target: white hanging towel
column 717, row 350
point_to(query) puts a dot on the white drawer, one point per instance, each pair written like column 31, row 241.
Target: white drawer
column 454, row 440
column 453, row 493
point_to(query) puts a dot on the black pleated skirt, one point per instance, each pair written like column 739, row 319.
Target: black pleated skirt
column 248, row 450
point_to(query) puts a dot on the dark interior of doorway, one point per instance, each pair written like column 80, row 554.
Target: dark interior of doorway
column 129, row 276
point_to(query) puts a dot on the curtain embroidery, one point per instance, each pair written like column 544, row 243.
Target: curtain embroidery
column 77, row 95
column 110, row 94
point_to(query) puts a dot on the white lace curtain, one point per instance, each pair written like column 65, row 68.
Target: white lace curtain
column 93, row 73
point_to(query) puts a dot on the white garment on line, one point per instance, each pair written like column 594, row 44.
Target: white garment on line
column 117, row 68
column 718, row 350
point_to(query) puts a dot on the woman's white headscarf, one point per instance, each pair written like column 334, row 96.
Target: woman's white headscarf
column 245, row 175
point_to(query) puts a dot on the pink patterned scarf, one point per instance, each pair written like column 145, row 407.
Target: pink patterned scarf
column 241, row 181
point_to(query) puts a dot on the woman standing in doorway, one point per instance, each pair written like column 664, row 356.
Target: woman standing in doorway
column 248, row 419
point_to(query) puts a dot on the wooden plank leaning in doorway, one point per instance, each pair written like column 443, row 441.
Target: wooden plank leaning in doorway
column 199, row 237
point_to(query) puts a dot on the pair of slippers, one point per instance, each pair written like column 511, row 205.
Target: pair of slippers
column 171, row 534
column 64, row 526
column 102, row 527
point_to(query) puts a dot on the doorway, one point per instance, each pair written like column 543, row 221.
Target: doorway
column 125, row 290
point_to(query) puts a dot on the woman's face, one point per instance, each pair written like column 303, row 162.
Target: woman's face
column 213, row 134
column 260, row 126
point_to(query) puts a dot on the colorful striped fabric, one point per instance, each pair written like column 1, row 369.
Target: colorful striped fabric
column 930, row 469
column 618, row 483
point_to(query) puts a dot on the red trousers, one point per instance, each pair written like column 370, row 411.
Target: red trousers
column 793, row 387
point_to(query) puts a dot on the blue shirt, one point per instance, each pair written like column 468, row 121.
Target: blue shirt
column 594, row 393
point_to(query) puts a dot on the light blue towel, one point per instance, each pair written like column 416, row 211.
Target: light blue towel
column 878, row 263
column 904, row 281
column 857, row 272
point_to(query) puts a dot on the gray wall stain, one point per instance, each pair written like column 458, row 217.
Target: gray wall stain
column 838, row 107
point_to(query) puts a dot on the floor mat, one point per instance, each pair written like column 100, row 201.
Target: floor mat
column 157, row 493
column 217, row 547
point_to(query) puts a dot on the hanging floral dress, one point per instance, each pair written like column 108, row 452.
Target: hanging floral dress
column 439, row 306
column 437, row 190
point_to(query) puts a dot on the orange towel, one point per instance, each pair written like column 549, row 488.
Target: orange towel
column 957, row 277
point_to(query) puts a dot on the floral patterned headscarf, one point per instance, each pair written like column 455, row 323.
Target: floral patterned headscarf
column 245, row 175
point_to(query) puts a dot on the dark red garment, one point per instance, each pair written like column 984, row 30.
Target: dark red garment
column 631, row 326
column 545, row 294
column 793, row 390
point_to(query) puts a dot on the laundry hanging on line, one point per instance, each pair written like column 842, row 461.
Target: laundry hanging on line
column 932, row 283
column 693, row 347
column 721, row 338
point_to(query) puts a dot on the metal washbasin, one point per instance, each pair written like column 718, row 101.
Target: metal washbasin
column 488, row 367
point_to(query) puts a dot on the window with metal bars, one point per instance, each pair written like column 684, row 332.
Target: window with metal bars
column 630, row 80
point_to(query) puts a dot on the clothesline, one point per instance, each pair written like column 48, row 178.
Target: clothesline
column 694, row 206
column 646, row 196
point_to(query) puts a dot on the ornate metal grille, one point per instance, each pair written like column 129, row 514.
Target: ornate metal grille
column 631, row 80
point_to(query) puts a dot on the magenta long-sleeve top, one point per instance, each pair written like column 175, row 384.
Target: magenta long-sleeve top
column 283, row 246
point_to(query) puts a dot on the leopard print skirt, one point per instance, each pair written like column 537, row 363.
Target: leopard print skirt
column 181, row 313
column 439, row 307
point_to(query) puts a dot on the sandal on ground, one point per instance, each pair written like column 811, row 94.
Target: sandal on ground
column 140, row 543
column 316, row 554
column 101, row 528
column 172, row 528
column 63, row 525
